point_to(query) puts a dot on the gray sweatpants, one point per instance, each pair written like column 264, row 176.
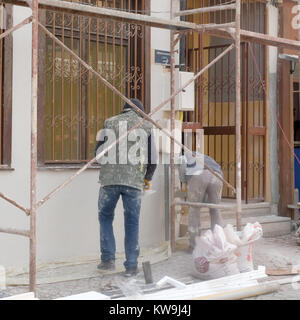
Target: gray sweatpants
column 198, row 186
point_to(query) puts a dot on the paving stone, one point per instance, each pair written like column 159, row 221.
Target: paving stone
column 275, row 252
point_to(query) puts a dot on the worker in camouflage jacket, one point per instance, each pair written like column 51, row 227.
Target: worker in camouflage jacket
column 126, row 170
column 201, row 185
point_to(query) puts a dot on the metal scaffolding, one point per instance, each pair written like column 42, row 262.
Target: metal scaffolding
column 229, row 30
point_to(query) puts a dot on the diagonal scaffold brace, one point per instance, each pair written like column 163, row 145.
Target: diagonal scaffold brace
column 145, row 116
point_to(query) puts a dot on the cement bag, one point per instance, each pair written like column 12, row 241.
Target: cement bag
column 244, row 240
column 213, row 256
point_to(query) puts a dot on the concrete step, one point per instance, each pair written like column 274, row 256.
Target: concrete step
column 262, row 212
column 273, row 226
column 248, row 210
column 254, row 210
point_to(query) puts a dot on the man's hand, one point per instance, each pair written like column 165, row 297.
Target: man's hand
column 147, row 185
column 184, row 187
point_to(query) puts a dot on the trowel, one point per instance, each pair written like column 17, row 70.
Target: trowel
column 146, row 193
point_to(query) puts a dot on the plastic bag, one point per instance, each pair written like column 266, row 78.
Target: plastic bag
column 251, row 232
column 244, row 240
column 213, row 256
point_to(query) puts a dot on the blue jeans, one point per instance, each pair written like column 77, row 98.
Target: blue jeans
column 108, row 198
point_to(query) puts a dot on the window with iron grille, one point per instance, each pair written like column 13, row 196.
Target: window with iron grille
column 76, row 102
column 215, row 95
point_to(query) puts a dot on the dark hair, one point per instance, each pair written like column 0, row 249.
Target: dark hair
column 137, row 102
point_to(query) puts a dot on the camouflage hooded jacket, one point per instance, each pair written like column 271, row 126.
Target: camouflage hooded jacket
column 131, row 160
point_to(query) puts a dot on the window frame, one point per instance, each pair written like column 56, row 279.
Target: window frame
column 6, row 90
column 42, row 95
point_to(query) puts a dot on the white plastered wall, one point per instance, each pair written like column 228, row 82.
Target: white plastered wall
column 160, row 40
column 161, row 83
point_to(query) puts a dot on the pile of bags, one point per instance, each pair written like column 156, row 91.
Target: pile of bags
column 225, row 252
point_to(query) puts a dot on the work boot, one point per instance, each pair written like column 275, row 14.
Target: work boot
column 130, row 272
column 107, row 265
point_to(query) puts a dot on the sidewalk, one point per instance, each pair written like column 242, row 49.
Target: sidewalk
column 273, row 253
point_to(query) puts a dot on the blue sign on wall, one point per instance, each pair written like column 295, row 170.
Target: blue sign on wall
column 162, row 57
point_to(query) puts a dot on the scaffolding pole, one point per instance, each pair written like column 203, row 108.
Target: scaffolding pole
column 172, row 144
column 16, row 27
column 205, row 205
column 238, row 115
column 14, row 203
column 14, row 231
column 33, row 152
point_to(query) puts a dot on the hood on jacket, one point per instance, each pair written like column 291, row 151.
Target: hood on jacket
column 137, row 102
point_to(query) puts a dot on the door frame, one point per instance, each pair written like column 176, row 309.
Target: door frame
column 285, row 156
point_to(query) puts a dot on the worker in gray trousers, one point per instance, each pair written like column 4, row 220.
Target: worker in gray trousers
column 200, row 185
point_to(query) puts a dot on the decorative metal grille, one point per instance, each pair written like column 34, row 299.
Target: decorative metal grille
column 215, row 96
column 77, row 103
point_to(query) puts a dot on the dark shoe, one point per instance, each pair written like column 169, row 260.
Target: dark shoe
column 107, row 265
column 130, row 272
